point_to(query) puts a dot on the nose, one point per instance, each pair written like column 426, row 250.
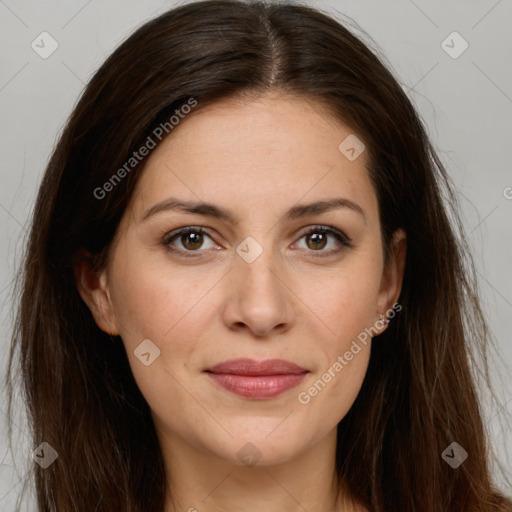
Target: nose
column 258, row 298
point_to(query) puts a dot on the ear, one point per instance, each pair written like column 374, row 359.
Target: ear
column 393, row 274
column 93, row 288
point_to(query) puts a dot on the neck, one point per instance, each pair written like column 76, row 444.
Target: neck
column 200, row 481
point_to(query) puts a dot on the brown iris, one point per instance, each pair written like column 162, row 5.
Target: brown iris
column 193, row 239
column 318, row 240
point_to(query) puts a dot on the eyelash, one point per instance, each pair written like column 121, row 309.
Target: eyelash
column 344, row 240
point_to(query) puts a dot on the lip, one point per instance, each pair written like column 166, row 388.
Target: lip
column 245, row 366
column 257, row 379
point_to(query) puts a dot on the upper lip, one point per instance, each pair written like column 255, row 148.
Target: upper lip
column 245, row 366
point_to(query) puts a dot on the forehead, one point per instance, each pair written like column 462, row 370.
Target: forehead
column 265, row 151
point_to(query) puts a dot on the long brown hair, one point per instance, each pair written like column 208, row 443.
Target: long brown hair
column 420, row 391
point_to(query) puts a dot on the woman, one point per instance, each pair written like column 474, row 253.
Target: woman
column 242, row 290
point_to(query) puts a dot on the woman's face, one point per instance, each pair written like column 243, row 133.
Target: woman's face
column 250, row 286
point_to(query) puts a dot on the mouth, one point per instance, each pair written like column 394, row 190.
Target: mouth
column 257, row 380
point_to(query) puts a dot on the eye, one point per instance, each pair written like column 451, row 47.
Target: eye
column 317, row 239
column 191, row 238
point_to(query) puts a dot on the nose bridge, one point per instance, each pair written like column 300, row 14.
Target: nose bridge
column 258, row 263
column 260, row 299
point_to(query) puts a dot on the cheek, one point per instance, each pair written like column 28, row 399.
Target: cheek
column 339, row 386
column 150, row 297
column 343, row 361
column 154, row 304
column 142, row 307
column 346, row 302
column 346, row 307
column 172, row 308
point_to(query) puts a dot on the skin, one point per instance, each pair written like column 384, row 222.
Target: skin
column 257, row 158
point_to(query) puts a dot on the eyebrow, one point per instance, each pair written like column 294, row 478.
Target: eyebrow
column 217, row 212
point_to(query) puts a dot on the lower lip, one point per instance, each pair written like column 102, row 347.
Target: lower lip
column 257, row 387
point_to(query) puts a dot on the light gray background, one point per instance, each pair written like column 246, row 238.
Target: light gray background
column 466, row 103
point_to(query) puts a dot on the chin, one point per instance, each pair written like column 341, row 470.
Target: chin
column 260, row 446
